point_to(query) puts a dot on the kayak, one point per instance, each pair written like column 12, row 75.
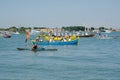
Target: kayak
column 39, row 49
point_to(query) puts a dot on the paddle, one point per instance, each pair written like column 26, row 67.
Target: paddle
column 22, row 49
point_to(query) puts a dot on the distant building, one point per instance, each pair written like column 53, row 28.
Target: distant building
column 51, row 29
column 116, row 29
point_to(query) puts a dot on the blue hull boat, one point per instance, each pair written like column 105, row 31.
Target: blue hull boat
column 73, row 42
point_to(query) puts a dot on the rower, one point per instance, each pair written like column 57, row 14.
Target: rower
column 34, row 47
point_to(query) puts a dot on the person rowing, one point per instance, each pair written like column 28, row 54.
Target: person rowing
column 27, row 35
column 34, row 47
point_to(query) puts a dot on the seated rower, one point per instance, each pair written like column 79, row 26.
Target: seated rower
column 34, row 47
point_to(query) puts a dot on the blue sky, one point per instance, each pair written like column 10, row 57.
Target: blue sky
column 58, row 13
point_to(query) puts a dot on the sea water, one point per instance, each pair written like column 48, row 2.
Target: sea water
column 93, row 59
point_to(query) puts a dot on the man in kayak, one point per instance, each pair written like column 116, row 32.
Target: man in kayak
column 34, row 47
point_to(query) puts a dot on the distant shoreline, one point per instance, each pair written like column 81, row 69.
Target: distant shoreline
column 21, row 30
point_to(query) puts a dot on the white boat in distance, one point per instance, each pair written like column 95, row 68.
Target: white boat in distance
column 34, row 32
column 15, row 33
column 6, row 34
column 108, row 31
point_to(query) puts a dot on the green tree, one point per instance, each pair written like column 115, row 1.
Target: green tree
column 101, row 28
column 74, row 28
column 92, row 28
column 13, row 29
column 22, row 29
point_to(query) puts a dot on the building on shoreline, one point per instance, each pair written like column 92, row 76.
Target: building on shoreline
column 45, row 29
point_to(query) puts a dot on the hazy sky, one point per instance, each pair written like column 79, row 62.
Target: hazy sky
column 58, row 13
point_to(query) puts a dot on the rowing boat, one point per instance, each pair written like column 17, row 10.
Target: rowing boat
column 72, row 42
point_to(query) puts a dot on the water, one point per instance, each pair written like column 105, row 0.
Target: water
column 93, row 59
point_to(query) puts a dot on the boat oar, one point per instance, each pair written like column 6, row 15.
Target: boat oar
column 22, row 49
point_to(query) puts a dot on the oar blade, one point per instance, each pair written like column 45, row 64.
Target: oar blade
column 22, row 49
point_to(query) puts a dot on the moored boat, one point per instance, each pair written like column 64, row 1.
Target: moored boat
column 6, row 35
column 89, row 35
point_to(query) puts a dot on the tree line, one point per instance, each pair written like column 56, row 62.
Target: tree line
column 83, row 28
column 65, row 28
column 20, row 29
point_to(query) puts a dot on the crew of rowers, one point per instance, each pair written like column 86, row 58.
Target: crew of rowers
column 55, row 38
column 63, row 38
column 51, row 38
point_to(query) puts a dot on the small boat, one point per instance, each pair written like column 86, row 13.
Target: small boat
column 6, row 35
column 72, row 42
column 15, row 33
column 39, row 49
column 34, row 32
column 106, row 31
column 105, row 36
column 88, row 35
